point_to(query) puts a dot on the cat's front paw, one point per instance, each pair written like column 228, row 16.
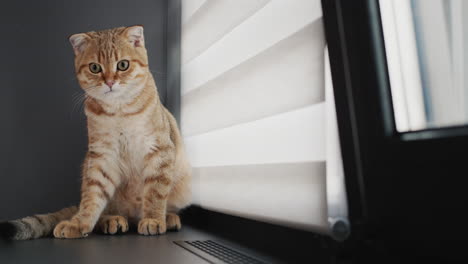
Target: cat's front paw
column 152, row 226
column 173, row 222
column 71, row 229
column 112, row 224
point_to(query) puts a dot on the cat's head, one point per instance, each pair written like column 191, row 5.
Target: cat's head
column 111, row 64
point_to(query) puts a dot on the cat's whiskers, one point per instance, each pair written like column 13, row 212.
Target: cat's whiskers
column 79, row 97
column 78, row 102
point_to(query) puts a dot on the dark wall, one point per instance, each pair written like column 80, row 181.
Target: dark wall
column 42, row 129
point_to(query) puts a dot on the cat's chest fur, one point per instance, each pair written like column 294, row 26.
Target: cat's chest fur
column 133, row 140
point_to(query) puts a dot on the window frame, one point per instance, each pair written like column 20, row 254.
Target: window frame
column 387, row 172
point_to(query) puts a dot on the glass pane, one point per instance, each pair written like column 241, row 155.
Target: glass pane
column 427, row 62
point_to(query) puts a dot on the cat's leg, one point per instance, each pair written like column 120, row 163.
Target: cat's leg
column 98, row 186
column 158, row 175
column 112, row 224
column 179, row 198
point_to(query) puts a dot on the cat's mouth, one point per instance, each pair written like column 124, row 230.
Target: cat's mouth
column 110, row 90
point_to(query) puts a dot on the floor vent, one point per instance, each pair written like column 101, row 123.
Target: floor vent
column 216, row 253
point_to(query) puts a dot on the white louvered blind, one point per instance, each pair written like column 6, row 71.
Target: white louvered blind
column 259, row 133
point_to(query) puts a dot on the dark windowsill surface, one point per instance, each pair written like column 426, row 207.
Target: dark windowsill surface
column 267, row 242
column 270, row 243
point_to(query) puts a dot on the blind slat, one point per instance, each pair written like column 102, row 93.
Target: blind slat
column 288, row 194
column 294, row 136
column 190, row 7
column 212, row 22
column 248, row 39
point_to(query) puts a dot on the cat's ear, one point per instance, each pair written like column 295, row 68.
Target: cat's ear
column 78, row 42
column 135, row 35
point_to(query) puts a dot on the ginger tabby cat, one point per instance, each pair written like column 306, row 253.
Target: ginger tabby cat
column 135, row 170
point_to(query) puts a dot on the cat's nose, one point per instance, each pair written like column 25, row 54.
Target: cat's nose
column 110, row 83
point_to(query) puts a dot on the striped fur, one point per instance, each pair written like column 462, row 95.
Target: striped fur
column 135, row 170
column 35, row 226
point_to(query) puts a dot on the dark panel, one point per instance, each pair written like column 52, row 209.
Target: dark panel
column 43, row 131
column 173, row 57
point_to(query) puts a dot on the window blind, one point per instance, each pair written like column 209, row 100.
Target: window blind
column 259, row 126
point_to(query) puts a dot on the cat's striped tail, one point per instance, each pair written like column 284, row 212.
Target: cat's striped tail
column 35, row 226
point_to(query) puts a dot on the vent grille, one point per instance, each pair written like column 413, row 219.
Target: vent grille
column 216, row 253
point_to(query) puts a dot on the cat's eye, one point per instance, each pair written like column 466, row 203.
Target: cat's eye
column 123, row 65
column 95, row 68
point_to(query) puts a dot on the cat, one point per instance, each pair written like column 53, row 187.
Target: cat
column 135, row 170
